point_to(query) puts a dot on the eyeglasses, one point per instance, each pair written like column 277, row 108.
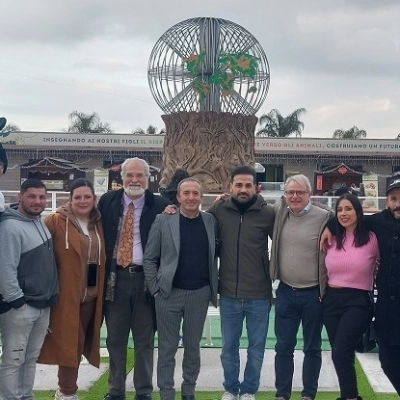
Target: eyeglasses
column 291, row 193
column 131, row 175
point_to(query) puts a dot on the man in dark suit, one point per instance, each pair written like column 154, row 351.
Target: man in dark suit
column 181, row 272
column 128, row 307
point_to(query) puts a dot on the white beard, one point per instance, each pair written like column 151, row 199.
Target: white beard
column 134, row 191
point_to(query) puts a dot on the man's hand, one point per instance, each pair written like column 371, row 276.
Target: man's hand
column 326, row 240
column 170, row 209
column 222, row 196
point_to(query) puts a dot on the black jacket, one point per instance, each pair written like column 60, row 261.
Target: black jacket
column 244, row 262
column 387, row 314
column 110, row 207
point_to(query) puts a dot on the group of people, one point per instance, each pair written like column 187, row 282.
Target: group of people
column 60, row 276
column 145, row 270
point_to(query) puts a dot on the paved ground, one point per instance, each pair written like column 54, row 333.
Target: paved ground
column 211, row 374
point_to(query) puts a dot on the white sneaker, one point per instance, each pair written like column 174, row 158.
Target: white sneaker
column 62, row 396
column 247, row 396
column 229, row 396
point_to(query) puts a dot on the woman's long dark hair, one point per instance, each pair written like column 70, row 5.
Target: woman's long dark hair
column 361, row 233
column 94, row 215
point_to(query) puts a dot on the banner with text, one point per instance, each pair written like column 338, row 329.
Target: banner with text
column 156, row 142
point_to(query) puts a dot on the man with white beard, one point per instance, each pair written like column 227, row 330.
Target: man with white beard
column 127, row 216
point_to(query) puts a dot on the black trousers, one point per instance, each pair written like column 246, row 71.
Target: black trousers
column 131, row 311
column 389, row 356
column 346, row 314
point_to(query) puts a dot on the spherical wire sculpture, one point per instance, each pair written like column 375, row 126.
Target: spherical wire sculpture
column 208, row 64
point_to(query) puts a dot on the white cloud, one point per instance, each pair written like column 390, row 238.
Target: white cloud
column 338, row 59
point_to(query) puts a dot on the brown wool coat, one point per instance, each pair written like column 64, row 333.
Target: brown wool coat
column 61, row 344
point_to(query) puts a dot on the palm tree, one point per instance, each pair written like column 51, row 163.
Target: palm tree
column 352, row 133
column 274, row 124
column 87, row 123
column 151, row 130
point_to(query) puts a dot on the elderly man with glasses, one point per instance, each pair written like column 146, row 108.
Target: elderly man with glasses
column 299, row 265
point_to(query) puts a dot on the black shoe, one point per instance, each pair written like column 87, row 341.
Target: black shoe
column 112, row 397
column 188, row 397
column 146, row 396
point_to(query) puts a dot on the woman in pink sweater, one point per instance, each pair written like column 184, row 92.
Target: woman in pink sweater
column 347, row 306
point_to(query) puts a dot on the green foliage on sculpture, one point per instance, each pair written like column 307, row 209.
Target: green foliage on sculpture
column 195, row 62
column 242, row 63
column 229, row 67
column 225, row 80
column 203, row 89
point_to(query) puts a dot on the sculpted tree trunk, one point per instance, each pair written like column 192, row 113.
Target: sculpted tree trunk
column 208, row 145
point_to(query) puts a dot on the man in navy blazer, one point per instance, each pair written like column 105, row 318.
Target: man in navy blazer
column 180, row 268
column 128, row 307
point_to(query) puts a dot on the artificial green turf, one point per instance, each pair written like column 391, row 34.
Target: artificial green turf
column 97, row 391
column 100, row 388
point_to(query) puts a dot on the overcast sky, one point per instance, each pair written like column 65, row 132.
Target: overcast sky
column 339, row 59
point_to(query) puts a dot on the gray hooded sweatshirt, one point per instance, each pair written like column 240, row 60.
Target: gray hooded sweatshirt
column 28, row 272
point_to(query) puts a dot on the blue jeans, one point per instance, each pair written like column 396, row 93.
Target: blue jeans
column 233, row 312
column 292, row 308
column 22, row 333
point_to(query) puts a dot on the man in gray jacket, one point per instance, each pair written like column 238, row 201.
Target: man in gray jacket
column 245, row 223
column 180, row 268
column 28, row 287
column 299, row 265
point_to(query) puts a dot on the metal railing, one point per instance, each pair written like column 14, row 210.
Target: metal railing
column 53, row 201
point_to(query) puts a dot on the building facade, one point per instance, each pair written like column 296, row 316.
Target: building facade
column 59, row 158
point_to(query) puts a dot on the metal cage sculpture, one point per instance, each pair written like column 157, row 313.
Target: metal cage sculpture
column 208, row 64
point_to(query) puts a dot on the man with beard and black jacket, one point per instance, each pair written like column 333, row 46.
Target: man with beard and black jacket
column 245, row 223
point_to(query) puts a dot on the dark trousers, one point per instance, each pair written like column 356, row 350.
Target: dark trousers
column 131, row 310
column 389, row 356
column 346, row 314
column 292, row 309
column 190, row 308
column 67, row 376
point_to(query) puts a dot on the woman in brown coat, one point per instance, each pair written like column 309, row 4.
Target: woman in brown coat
column 80, row 254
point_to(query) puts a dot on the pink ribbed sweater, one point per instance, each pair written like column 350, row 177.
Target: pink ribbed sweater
column 352, row 267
